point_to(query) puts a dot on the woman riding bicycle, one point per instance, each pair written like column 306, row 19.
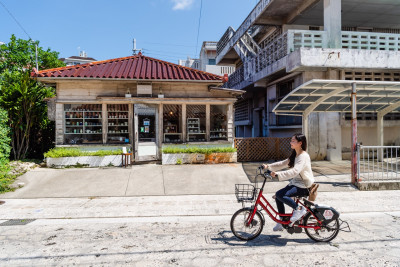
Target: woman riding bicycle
column 299, row 164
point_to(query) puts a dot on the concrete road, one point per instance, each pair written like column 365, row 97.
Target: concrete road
column 190, row 230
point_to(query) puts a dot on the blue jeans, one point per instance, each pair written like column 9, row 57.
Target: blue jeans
column 284, row 196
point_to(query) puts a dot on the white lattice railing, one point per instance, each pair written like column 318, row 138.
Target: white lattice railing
column 303, row 38
column 371, row 41
column 292, row 40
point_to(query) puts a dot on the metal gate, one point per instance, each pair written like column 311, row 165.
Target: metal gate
column 378, row 163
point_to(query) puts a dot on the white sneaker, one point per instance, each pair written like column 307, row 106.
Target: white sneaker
column 297, row 214
column 278, row 227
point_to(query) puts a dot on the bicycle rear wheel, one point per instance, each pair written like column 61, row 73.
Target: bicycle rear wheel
column 325, row 234
column 239, row 225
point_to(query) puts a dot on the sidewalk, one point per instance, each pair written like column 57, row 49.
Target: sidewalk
column 162, row 180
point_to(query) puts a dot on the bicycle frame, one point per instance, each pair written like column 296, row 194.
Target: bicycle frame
column 272, row 213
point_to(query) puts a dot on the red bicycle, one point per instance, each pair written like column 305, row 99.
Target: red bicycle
column 321, row 223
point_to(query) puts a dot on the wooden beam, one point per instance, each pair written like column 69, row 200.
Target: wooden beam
column 184, row 123
column 208, row 109
column 104, row 122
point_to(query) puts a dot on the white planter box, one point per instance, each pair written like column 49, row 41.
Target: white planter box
column 90, row 161
column 186, row 158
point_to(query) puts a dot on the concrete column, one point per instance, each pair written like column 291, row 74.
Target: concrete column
column 333, row 22
column 334, row 136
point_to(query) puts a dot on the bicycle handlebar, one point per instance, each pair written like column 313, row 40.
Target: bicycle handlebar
column 266, row 174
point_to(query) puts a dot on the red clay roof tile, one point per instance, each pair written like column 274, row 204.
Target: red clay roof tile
column 134, row 67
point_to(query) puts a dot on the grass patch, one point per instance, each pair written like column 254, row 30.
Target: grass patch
column 6, row 179
column 190, row 150
column 10, row 171
column 60, row 152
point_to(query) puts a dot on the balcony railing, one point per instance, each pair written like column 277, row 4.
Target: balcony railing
column 371, row 41
column 225, row 39
column 292, row 40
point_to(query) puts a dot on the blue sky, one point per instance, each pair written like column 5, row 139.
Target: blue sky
column 166, row 29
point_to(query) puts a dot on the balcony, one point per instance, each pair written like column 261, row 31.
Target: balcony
column 297, row 50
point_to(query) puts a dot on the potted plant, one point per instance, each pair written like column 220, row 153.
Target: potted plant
column 128, row 93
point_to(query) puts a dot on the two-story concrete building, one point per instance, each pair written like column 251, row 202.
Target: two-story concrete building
column 302, row 57
column 207, row 61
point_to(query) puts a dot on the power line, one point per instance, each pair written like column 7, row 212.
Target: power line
column 198, row 28
column 169, row 52
column 163, row 55
column 169, row 44
column 19, row 24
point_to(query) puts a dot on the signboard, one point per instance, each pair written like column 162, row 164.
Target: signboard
column 144, row 89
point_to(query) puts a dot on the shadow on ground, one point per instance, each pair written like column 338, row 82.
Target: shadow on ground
column 226, row 237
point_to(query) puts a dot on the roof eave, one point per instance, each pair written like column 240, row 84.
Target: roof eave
column 53, row 79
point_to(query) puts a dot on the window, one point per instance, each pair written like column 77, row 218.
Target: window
column 283, row 89
column 218, row 122
column 172, row 123
column 196, row 123
column 83, row 124
column 212, row 61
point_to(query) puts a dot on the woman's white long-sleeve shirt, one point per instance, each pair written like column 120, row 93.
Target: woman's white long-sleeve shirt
column 301, row 172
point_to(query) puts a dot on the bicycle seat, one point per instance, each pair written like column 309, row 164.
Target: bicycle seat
column 308, row 203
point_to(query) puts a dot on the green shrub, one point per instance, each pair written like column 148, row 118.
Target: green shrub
column 190, row 150
column 5, row 139
column 60, row 152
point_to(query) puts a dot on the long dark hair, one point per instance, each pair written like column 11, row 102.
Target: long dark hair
column 300, row 138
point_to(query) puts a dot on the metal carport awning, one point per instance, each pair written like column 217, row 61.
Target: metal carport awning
column 379, row 97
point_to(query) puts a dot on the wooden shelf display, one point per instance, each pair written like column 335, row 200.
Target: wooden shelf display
column 194, row 133
column 82, row 124
column 218, row 122
column 117, row 123
column 171, row 134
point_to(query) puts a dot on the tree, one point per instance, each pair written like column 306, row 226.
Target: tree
column 21, row 96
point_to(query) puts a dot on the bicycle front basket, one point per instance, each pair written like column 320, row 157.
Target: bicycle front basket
column 245, row 192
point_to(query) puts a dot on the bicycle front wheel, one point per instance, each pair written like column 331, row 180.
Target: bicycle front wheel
column 239, row 225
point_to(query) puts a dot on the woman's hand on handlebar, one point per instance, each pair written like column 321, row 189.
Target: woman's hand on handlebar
column 265, row 166
column 273, row 174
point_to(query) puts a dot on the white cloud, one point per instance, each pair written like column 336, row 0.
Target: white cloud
column 182, row 4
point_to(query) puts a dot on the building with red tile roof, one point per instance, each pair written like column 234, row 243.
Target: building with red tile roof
column 140, row 102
